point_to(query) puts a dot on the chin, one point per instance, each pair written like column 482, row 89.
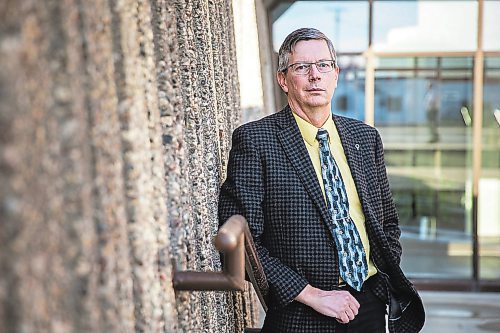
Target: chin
column 317, row 102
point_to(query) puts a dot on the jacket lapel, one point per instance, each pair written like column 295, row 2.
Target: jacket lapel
column 293, row 144
column 354, row 151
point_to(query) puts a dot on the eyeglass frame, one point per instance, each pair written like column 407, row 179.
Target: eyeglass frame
column 334, row 65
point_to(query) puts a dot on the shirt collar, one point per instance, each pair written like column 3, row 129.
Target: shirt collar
column 309, row 131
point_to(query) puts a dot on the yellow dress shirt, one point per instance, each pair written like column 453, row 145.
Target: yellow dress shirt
column 309, row 132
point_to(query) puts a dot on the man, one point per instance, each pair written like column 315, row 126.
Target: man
column 431, row 101
column 314, row 190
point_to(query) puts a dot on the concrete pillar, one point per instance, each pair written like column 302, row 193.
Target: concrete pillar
column 115, row 124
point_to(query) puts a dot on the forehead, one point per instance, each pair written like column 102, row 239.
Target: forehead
column 310, row 50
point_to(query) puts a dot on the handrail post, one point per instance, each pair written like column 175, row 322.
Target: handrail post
column 230, row 241
column 240, row 255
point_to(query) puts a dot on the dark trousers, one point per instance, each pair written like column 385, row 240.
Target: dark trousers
column 371, row 313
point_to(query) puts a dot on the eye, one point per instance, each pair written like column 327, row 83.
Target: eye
column 301, row 67
column 324, row 65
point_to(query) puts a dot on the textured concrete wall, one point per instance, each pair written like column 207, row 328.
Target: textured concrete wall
column 115, row 122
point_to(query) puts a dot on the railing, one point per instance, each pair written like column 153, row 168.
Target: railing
column 235, row 242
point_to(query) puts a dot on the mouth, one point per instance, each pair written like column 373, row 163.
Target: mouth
column 315, row 90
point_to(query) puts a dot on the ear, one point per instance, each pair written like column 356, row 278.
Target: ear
column 280, row 76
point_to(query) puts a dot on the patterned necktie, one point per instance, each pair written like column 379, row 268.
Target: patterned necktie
column 352, row 258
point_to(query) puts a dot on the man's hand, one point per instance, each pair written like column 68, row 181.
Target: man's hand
column 339, row 304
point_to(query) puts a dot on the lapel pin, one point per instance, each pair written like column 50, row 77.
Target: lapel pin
column 357, row 146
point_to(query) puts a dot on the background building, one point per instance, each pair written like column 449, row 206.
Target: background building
column 427, row 75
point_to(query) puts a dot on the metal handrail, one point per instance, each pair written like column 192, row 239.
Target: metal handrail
column 235, row 242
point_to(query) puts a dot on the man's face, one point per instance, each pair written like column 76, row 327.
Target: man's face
column 314, row 89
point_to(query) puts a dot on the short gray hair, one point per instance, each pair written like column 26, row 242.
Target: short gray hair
column 296, row 36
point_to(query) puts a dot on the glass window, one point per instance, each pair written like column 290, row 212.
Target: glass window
column 491, row 28
column 489, row 182
column 345, row 23
column 423, row 112
column 427, row 62
column 349, row 98
column 425, row 25
column 389, row 63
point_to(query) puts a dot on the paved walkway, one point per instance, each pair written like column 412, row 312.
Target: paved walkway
column 461, row 312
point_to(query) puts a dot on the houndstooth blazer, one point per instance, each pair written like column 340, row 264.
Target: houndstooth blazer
column 271, row 181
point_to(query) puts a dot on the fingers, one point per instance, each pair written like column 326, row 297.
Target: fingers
column 354, row 307
column 346, row 316
column 339, row 304
column 343, row 318
column 349, row 308
column 351, row 313
column 350, row 302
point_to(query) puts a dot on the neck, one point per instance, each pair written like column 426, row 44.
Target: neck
column 316, row 117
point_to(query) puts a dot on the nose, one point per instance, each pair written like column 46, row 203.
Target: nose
column 314, row 74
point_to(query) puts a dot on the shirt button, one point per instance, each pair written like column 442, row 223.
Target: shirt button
column 349, row 274
column 340, row 232
column 344, row 254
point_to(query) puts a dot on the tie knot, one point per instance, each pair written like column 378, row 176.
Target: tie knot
column 322, row 135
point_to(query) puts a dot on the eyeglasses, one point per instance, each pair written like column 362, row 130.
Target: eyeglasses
column 303, row 68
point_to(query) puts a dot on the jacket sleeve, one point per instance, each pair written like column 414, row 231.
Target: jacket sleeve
column 391, row 218
column 243, row 193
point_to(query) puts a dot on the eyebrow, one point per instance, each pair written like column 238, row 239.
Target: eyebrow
column 313, row 61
